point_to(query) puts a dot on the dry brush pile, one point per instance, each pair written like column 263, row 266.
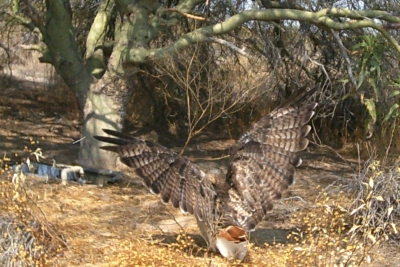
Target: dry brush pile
column 28, row 239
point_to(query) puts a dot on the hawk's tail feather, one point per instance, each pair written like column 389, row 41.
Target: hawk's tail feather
column 111, row 140
column 118, row 134
column 117, row 138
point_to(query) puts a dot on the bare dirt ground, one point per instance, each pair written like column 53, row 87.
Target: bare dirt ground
column 122, row 224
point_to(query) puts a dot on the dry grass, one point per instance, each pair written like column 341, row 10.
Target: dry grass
column 47, row 224
column 75, row 225
column 375, row 209
column 28, row 239
column 101, row 227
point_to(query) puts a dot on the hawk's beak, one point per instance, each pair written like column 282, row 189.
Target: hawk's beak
column 232, row 242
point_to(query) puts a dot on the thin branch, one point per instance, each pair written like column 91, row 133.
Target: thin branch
column 320, row 18
column 35, row 47
column 389, row 26
column 21, row 20
column 98, row 29
column 241, row 51
column 390, row 38
column 322, row 66
column 392, row 134
column 187, row 15
column 360, row 15
column 345, row 56
column 33, row 15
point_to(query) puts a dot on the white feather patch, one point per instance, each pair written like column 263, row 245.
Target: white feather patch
column 230, row 249
column 299, row 163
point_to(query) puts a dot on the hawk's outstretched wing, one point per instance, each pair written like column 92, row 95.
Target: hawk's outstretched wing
column 164, row 172
column 262, row 166
column 263, row 161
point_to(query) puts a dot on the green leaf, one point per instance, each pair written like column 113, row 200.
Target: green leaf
column 394, row 93
column 355, row 47
column 378, row 71
column 349, row 94
column 393, row 108
column 376, row 90
column 370, row 105
column 361, row 79
column 378, row 57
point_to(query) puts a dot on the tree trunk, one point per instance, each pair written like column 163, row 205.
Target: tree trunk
column 105, row 108
column 107, row 100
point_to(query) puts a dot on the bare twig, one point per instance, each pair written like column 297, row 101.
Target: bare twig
column 334, row 151
column 322, row 66
column 391, row 140
column 389, row 26
column 345, row 56
column 187, row 15
column 33, row 15
column 241, row 51
column 211, row 92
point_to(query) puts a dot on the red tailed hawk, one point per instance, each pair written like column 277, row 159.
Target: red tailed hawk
column 262, row 165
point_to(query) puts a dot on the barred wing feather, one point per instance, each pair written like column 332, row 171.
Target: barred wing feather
column 261, row 168
column 263, row 161
column 164, row 172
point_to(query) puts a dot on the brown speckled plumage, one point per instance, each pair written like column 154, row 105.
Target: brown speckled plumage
column 261, row 168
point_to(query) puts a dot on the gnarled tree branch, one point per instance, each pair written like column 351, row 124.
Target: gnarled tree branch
column 320, row 18
column 96, row 38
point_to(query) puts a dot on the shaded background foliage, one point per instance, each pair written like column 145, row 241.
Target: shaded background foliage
column 274, row 60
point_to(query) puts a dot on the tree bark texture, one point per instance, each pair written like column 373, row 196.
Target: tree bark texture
column 105, row 108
